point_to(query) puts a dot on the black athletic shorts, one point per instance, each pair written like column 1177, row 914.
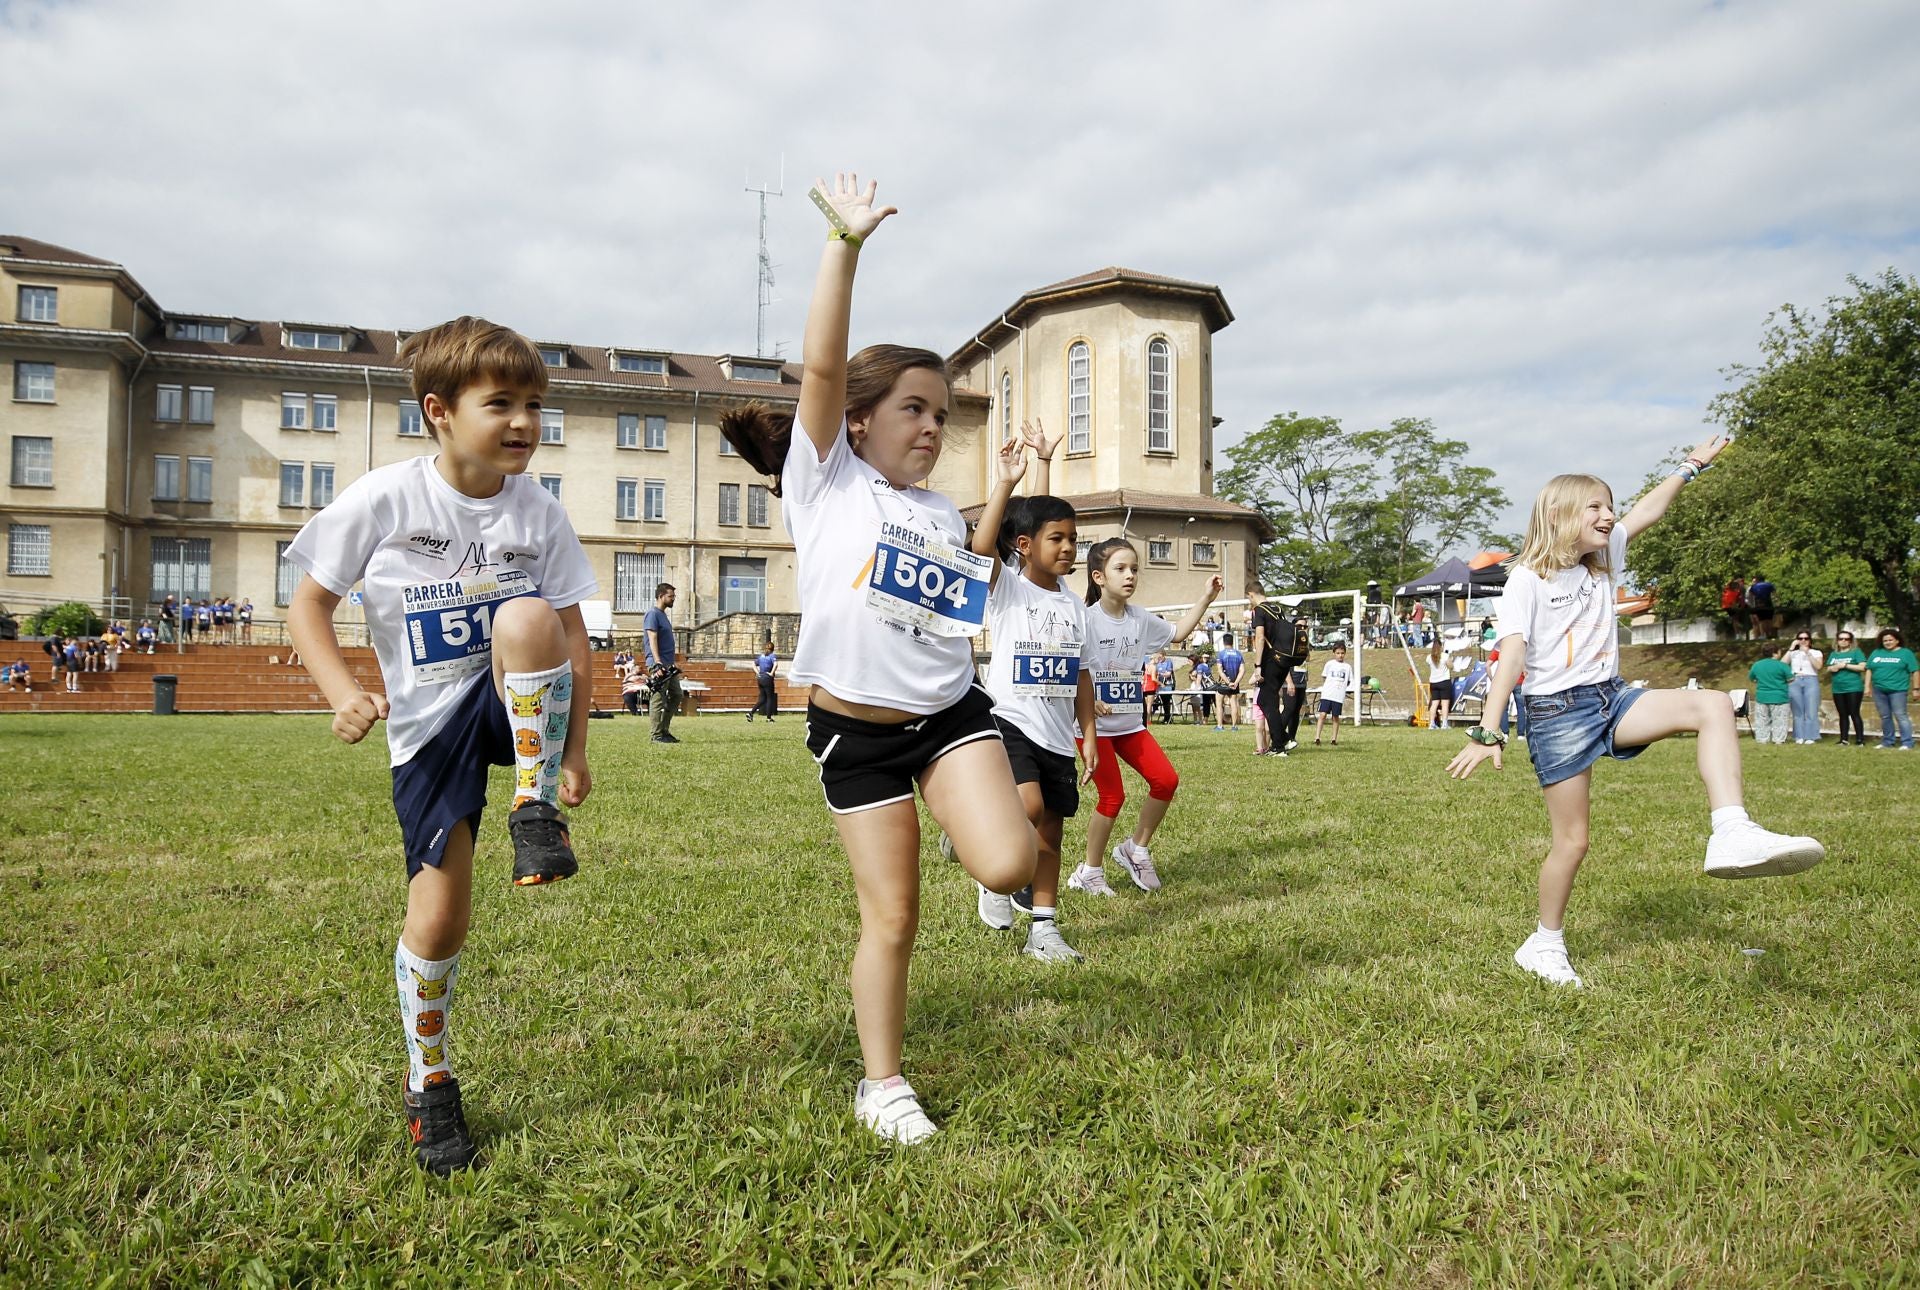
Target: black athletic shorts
column 864, row 764
column 1440, row 691
column 1056, row 775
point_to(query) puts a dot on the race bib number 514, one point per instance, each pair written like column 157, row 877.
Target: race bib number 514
column 922, row 582
column 450, row 624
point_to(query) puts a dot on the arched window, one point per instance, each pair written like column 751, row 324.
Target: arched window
column 1006, row 406
column 1079, row 397
column 1159, row 395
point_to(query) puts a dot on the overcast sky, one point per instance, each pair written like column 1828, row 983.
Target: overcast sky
column 1547, row 226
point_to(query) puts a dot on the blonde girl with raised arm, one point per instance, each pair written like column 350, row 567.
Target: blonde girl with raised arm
column 1557, row 625
column 891, row 599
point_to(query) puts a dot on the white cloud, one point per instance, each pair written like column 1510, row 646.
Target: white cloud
column 1546, row 226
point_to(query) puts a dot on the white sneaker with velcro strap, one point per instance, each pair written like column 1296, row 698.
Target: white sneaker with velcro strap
column 892, row 1110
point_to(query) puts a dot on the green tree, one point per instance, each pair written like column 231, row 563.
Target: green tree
column 74, row 618
column 1432, row 491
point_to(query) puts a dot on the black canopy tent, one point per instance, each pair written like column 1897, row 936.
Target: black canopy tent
column 1454, row 579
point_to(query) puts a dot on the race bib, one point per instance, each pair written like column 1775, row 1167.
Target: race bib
column 1119, row 690
column 922, row 582
column 1046, row 671
column 450, row 623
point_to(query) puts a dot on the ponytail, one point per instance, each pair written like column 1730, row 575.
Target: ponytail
column 760, row 435
column 1097, row 563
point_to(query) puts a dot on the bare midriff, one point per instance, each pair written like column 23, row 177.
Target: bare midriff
column 860, row 711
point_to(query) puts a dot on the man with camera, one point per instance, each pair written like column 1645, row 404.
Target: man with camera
column 663, row 672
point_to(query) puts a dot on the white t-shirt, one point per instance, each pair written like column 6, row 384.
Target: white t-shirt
column 1804, row 662
column 1040, row 645
column 436, row 564
column 846, row 520
column 1336, row 679
column 1118, row 659
column 1567, row 621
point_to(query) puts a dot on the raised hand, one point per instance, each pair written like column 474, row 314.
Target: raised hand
column 1705, row 453
column 1036, row 438
column 1010, row 463
column 854, row 206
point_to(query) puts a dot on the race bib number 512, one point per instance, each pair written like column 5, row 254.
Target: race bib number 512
column 450, row 624
column 922, row 582
column 1120, row 691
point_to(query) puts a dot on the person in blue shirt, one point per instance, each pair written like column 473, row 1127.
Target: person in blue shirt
column 768, row 704
column 1163, row 673
column 1201, row 678
column 1229, row 665
column 656, row 634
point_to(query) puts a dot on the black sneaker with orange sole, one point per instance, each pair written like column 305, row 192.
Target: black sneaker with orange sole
column 542, row 848
column 438, row 1126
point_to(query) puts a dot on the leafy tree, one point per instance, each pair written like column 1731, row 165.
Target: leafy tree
column 74, row 618
column 1431, row 491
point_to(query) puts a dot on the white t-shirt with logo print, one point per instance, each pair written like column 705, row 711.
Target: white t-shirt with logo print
column 840, row 512
column 1568, row 622
column 1336, row 678
column 435, row 565
column 1121, row 647
column 1039, row 637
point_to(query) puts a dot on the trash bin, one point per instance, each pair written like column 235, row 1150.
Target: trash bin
column 164, row 689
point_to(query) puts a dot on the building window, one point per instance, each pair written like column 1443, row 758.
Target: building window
column 39, row 304
column 199, row 479
column 183, row 568
column 552, row 484
column 1079, row 398
column 293, row 412
column 166, row 403
column 197, row 329
column 657, row 434
column 293, row 483
column 1159, row 550
column 326, row 412
column 756, row 372
column 757, row 505
column 30, row 550
column 32, row 462
column 1080, row 550
column 553, row 357
column 726, row 447
column 1203, row 552
column 626, row 431
column 634, row 578
column 626, row 499
column 320, row 493
column 654, row 500
column 729, row 503
column 1006, row 406
column 553, row 425
column 286, row 574
column 743, row 586
column 200, row 405
column 1159, row 396
column 645, row 364
column 304, row 338
column 411, row 424
column 166, row 479
column 33, row 382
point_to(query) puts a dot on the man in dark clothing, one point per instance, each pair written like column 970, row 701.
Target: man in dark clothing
column 1760, row 598
column 1280, row 644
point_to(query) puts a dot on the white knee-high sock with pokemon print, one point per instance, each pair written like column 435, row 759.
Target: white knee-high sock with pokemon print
column 426, row 997
column 538, row 707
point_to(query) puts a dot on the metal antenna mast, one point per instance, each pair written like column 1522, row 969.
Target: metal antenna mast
column 765, row 286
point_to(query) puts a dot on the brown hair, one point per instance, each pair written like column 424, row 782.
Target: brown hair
column 449, row 358
column 760, row 433
column 1097, row 562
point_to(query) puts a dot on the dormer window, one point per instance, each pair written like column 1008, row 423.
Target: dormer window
column 201, row 329
column 553, row 356
column 644, row 364
column 750, row 369
column 312, row 338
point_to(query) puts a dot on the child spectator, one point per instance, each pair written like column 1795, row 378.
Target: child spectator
column 76, row 659
column 1200, row 677
column 146, row 636
column 1229, row 667
column 1772, row 678
column 245, row 615
column 1336, row 680
column 767, row 704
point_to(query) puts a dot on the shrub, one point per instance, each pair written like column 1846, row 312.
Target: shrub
column 75, row 618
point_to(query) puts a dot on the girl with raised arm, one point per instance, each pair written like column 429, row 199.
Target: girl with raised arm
column 1557, row 625
column 891, row 599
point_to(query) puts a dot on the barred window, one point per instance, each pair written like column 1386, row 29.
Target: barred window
column 32, row 461
column 729, row 503
column 1080, row 397
column 30, row 550
column 634, row 578
column 182, row 567
column 1159, row 396
column 286, row 574
column 757, row 495
column 1160, row 551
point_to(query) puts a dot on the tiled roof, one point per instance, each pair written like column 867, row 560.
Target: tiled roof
column 1112, row 278
column 1121, row 500
column 27, row 248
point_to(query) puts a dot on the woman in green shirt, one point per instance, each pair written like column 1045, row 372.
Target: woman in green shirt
column 1849, row 669
column 1770, row 676
column 1892, row 667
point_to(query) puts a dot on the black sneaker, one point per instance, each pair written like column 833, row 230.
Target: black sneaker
column 542, row 850
column 666, row 739
column 438, row 1127
column 1023, row 900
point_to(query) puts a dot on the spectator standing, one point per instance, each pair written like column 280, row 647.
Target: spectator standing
column 764, row 664
column 1733, row 603
column 1278, row 639
column 1803, row 692
column 1760, row 601
column 1200, row 677
column 1336, row 680
column 76, row 654
column 1163, row 672
column 203, row 622
column 1891, row 668
column 169, row 619
column 186, row 621
column 55, row 647
column 1770, row 676
column 245, row 615
column 1849, row 668
column 1442, row 663
column 656, row 633
column 1230, row 667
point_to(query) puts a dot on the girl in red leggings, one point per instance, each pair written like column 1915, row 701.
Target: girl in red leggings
column 1123, row 637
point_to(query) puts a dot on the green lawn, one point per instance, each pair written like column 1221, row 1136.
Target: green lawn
column 1309, row 1060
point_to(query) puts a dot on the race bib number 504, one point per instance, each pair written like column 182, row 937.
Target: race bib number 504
column 922, row 582
column 450, row 624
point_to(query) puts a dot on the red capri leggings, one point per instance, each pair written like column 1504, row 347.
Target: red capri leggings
column 1142, row 752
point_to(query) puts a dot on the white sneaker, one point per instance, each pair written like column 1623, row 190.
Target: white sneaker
column 1291, row 745
column 1089, row 879
column 996, row 910
column 1044, row 942
column 1547, row 961
column 1749, row 851
column 891, row 1109
column 1139, row 865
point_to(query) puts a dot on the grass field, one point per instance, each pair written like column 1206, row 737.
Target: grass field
column 1309, row 1060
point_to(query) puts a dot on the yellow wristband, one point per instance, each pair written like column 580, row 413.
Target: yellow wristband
column 842, row 235
column 840, row 230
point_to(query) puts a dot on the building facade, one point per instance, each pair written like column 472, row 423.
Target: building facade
column 154, row 452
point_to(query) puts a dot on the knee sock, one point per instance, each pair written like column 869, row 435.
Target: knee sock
column 538, row 707
column 426, row 995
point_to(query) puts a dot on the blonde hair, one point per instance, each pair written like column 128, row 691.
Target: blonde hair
column 449, row 358
column 1553, row 530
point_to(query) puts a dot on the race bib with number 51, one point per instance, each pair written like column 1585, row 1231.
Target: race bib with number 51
column 1049, row 671
column 450, row 623
column 922, row 582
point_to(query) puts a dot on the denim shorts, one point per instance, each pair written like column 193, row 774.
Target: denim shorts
column 1569, row 731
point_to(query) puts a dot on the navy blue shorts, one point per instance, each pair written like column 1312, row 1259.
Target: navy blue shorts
column 446, row 781
column 1331, row 708
column 1569, row 731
